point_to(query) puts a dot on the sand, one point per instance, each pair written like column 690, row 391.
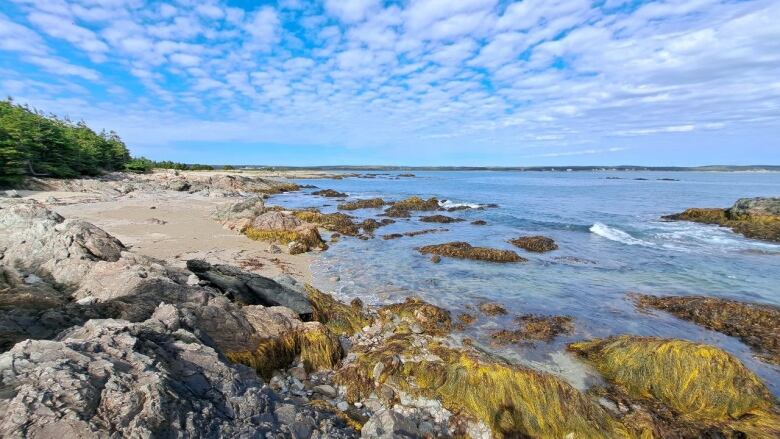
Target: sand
column 176, row 227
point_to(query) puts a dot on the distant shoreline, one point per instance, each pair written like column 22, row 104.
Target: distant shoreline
column 625, row 168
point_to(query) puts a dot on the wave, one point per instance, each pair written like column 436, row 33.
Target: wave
column 614, row 234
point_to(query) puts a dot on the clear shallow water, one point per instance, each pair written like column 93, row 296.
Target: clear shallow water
column 611, row 226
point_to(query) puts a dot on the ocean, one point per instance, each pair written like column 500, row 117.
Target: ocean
column 611, row 242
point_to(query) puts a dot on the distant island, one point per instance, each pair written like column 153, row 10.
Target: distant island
column 709, row 168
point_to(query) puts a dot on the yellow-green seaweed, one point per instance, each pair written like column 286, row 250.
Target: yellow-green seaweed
column 700, row 383
column 340, row 318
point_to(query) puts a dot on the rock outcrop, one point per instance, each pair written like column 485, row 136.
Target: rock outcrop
column 112, row 378
column 757, row 218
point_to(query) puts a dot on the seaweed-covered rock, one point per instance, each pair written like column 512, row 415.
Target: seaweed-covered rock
column 340, row 318
column 249, row 288
column 757, row 218
column 334, row 222
column 330, row 193
column 539, row 244
column 701, row 384
column 463, row 250
column 479, row 222
column 756, row 325
column 416, row 316
column 443, row 219
column 513, row 401
column 368, row 203
column 284, row 228
column 402, row 209
column 532, row 327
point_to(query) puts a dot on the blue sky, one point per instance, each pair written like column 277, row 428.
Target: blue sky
column 427, row 82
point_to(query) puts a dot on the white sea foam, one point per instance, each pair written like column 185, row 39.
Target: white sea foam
column 614, row 234
column 447, row 204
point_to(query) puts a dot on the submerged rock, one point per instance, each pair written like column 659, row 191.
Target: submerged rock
column 370, row 203
column 440, row 219
column 464, row 250
column 492, row 309
column 756, row 325
column 534, row 327
column 329, row 193
column 539, row 244
column 757, row 218
column 705, row 387
column 412, row 233
column 479, row 222
column 249, row 288
column 417, row 316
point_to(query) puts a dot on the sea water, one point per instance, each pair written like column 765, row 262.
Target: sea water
column 611, row 241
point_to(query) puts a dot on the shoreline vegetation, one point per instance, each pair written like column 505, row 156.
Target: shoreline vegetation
column 289, row 359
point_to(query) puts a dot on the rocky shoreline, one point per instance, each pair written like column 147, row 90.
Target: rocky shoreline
column 103, row 339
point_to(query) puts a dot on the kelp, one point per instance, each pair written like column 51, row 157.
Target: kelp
column 369, row 203
column 515, row 402
column 756, row 325
column 340, row 318
column 416, row 315
column 538, row 244
column 463, row 250
column 700, row 383
column 316, row 346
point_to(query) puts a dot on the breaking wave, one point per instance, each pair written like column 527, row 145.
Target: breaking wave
column 614, row 234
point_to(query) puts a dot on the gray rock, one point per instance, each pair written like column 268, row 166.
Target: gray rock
column 756, row 206
column 388, row 424
column 193, row 279
column 343, row 406
column 274, row 249
column 12, row 194
column 249, row 288
column 326, row 390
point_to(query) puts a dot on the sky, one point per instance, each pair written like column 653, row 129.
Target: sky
column 425, row 82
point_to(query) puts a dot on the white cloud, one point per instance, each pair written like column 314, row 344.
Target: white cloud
column 351, row 10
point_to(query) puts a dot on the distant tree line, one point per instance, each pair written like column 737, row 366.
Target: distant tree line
column 35, row 144
column 142, row 165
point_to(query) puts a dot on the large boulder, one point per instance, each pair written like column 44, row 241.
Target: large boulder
column 757, row 218
column 249, row 288
column 238, row 215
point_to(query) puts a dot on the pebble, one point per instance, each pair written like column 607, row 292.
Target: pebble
column 326, row 390
column 298, row 373
column 343, row 406
column 192, row 280
column 273, row 248
column 32, row 279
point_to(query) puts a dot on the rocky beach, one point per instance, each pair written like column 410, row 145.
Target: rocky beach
column 181, row 304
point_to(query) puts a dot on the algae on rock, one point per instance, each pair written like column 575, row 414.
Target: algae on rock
column 464, row 250
column 340, row 318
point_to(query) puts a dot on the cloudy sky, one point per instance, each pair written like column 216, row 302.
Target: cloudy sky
column 448, row 82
